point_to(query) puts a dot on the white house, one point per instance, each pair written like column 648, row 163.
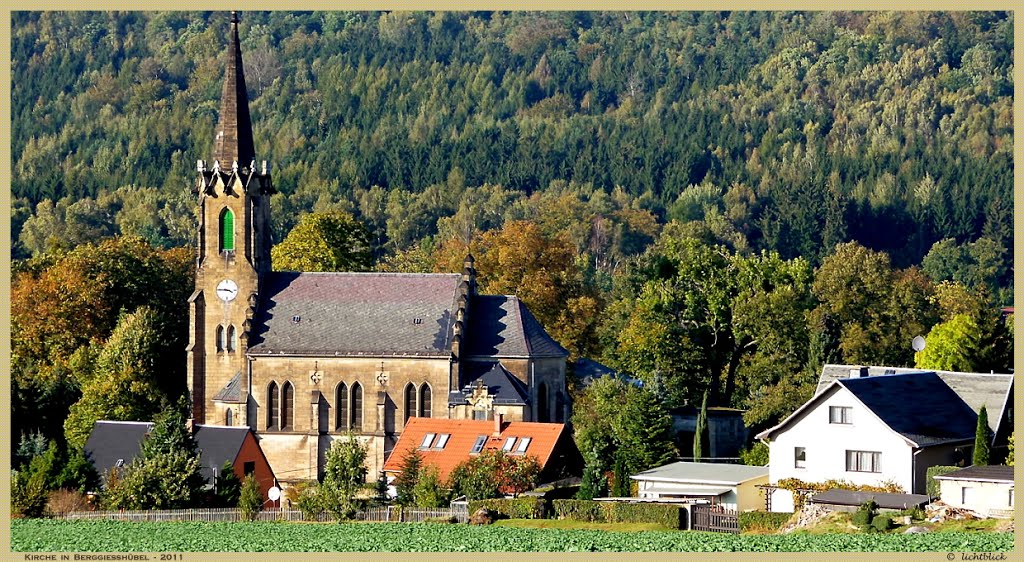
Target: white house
column 733, row 486
column 871, row 430
column 985, row 489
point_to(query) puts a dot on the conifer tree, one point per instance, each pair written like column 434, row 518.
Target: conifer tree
column 981, row 437
column 700, row 430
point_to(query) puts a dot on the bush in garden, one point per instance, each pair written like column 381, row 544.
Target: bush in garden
column 250, row 500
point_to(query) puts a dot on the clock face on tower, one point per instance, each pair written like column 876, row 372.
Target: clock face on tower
column 227, row 290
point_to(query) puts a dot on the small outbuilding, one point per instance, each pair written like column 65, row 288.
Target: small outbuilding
column 849, row 500
column 984, row 489
column 732, row 486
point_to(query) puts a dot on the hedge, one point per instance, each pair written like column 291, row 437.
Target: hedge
column 932, row 486
column 517, row 508
column 763, row 520
column 671, row 516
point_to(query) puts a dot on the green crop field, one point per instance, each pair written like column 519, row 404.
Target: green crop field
column 94, row 536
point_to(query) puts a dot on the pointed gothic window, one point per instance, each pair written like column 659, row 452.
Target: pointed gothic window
column 220, row 338
column 231, row 339
column 410, row 401
column 227, row 230
column 287, row 406
column 424, row 411
column 341, row 411
column 357, row 408
column 272, row 403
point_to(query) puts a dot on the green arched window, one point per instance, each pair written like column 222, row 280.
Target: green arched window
column 227, row 230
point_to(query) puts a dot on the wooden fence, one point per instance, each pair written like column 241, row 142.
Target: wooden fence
column 381, row 513
column 714, row 518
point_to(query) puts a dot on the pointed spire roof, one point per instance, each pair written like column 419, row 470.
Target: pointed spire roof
column 234, row 131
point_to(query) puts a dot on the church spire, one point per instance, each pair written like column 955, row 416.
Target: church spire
column 234, row 131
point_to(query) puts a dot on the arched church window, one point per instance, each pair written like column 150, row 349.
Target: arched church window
column 357, row 408
column 272, row 404
column 542, row 403
column 227, row 230
column 341, row 410
column 228, row 417
column 424, row 410
column 287, row 406
column 410, row 401
column 231, row 339
column 220, row 338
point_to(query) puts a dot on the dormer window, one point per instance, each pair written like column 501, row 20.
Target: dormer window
column 840, row 415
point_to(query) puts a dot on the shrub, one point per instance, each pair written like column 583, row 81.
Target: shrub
column 250, row 501
column 756, row 455
column 881, row 523
column 915, row 513
column 615, row 512
column 932, row 486
column 763, row 520
column 62, row 502
column 515, row 508
column 429, row 491
column 865, row 513
column 28, row 494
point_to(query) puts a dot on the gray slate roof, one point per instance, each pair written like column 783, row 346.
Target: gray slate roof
column 919, row 406
column 993, row 473
column 503, row 385
column 217, row 444
column 114, row 440
column 502, row 326
column 355, row 314
column 232, row 392
column 884, row 500
column 976, row 389
column 111, row 441
column 703, row 473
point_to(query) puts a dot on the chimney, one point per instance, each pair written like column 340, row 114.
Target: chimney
column 858, row 372
column 499, row 419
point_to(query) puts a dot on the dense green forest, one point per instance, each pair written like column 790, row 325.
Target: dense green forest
column 713, row 202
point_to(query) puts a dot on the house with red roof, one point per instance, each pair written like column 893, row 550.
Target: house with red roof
column 444, row 443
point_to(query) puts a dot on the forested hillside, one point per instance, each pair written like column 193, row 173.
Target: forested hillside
column 710, row 201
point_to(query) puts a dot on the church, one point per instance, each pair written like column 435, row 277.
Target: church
column 304, row 359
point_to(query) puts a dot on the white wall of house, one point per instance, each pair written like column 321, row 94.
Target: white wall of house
column 985, row 497
column 826, row 445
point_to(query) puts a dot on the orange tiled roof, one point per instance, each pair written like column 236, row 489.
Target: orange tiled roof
column 464, row 433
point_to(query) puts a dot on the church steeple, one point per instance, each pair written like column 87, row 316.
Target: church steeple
column 234, row 131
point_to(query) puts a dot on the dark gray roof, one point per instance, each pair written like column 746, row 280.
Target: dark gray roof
column 884, row 500
column 502, row 326
column 111, row 441
column 976, row 389
column 355, row 314
column 993, row 473
column 919, row 406
column 503, row 385
column 114, row 440
column 232, row 392
column 217, row 444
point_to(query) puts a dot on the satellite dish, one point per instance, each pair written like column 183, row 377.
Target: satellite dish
column 918, row 343
column 274, row 494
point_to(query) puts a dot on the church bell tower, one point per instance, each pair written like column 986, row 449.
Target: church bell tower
column 233, row 255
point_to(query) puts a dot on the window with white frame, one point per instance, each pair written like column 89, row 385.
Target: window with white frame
column 863, row 461
column 509, row 443
column 799, row 457
column 479, row 444
column 442, row 440
column 839, row 415
column 523, row 444
column 427, row 440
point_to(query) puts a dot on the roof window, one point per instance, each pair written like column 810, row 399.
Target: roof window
column 509, row 443
column 479, row 444
column 523, row 444
column 427, row 440
column 442, row 440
